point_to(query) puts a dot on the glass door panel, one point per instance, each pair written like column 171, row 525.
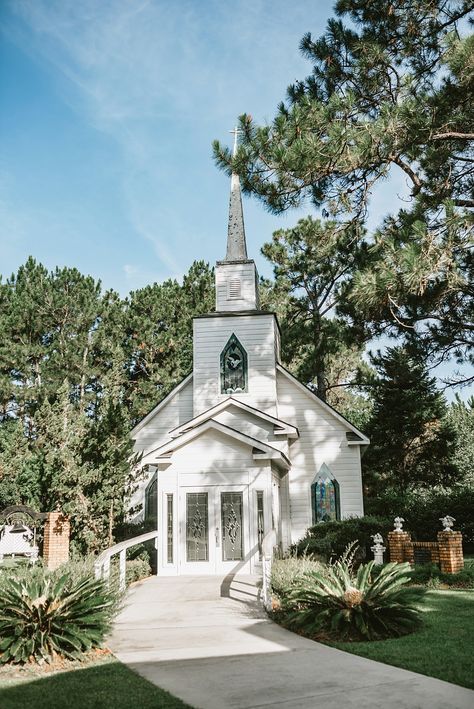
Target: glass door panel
column 232, row 530
column 197, row 527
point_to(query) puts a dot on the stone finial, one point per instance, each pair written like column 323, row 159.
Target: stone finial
column 447, row 521
column 378, row 548
column 398, row 524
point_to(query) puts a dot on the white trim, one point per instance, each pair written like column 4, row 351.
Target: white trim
column 283, row 428
column 159, row 406
column 260, row 449
column 364, row 440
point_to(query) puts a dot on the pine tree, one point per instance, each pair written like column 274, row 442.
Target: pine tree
column 411, row 442
column 312, row 264
column 391, row 90
column 461, row 418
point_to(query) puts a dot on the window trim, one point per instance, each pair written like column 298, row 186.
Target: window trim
column 324, row 474
column 232, row 342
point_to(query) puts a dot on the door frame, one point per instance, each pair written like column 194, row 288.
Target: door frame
column 215, row 564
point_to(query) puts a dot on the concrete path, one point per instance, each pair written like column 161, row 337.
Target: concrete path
column 207, row 641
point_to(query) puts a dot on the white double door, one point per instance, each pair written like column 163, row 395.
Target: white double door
column 214, row 529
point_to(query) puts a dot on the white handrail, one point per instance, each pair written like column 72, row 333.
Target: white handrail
column 102, row 563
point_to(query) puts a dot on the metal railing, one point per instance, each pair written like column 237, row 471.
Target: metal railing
column 102, row 563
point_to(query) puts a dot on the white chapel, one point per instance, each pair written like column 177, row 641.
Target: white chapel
column 242, row 457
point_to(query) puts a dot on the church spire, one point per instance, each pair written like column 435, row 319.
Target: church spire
column 236, row 244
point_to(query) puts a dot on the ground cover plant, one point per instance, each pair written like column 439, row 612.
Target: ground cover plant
column 440, row 648
column 46, row 615
column 101, row 681
column 338, row 602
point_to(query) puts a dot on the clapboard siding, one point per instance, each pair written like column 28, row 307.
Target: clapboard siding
column 322, row 440
column 257, row 335
column 246, row 275
column 177, row 411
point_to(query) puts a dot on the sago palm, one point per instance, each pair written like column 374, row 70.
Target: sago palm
column 365, row 605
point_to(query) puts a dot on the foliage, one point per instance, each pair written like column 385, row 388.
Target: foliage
column 42, row 615
column 312, row 263
column 288, row 571
column 430, row 575
column 411, row 441
column 340, row 603
column 448, row 628
column 390, row 93
column 328, row 539
column 78, row 367
column 460, row 416
column 137, row 569
column 422, row 510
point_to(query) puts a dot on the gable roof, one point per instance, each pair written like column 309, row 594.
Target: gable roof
column 360, row 438
column 159, row 406
column 260, row 449
column 280, row 427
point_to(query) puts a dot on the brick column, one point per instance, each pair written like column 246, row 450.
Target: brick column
column 56, row 540
column 396, row 546
column 451, row 559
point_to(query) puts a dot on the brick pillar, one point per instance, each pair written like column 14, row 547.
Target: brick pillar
column 56, row 540
column 451, row 559
column 396, row 545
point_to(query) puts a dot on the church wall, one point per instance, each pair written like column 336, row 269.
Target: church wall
column 177, row 411
column 322, row 440
column 243, row 274
column 256, row 333
column 213, row 459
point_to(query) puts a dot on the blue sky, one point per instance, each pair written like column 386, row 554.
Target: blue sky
column 108, row 112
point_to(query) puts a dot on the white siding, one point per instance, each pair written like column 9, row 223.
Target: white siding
column 245, row 275
column 257, row 335
column 178, row 410
column 322, row 440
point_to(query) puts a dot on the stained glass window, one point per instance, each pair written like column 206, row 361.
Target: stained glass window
column 151, row 501
column 197, row 529
column 260, row 523
column 169, row 528
column 231, row 512
column 325, row 496
column 233, row 367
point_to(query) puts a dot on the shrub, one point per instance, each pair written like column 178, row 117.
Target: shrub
column 341, row 604
column 137, row 569
column 287, row 572
column 329, row 539
column 44, row 614
column 422, row 509
column 430, row 575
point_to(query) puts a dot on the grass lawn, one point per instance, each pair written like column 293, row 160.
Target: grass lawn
column 104, row 684
column 443, row 648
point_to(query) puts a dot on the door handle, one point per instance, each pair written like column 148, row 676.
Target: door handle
column 217, row 537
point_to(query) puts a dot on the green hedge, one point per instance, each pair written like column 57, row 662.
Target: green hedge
column 422, row 509
column 328, row 539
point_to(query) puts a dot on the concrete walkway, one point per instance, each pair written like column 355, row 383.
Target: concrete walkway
column 207, row 641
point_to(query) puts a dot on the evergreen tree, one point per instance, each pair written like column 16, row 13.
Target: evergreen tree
column 461, row 418
column 411, row 441
column 390, row 91
column 312, row 264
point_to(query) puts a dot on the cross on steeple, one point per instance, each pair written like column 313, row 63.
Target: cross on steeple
column 235, row 132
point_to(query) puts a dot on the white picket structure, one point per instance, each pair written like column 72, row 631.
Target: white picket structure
column 102, row 563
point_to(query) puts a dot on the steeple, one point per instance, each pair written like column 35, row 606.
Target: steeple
column 236, row 244
column 236, row 275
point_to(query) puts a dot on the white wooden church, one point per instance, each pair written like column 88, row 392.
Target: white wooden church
column 241, row 456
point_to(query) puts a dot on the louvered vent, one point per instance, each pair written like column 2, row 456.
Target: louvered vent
column 235, row 288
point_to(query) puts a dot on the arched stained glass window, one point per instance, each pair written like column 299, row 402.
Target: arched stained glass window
column 325, row 497
column 234, row 368
column 151, row 500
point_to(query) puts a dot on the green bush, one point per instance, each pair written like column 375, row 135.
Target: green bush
column 286, row 572
column 421, row 510
column 137, row 569
column 340, row 604
column 328, row 539
column 430, row 575
column 44, row 614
